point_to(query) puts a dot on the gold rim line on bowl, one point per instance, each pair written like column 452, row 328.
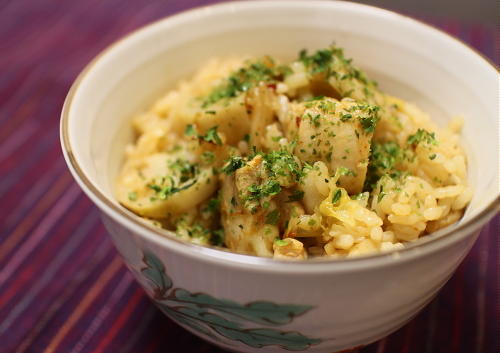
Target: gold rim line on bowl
column 114, row 210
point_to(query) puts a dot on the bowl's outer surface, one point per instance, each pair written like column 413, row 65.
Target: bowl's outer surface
column 318, row 312
column 243, row 303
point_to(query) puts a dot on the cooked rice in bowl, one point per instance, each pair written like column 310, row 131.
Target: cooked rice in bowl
column 293, row 160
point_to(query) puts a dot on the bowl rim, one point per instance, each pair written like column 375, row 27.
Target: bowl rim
column 432, row 242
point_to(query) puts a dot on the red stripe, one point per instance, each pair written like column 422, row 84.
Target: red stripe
column 120, row 321
column 34, row 216
column 155, row 342
column 408, row 335
column 97, row 288
column 44, row 253
column 82, row 268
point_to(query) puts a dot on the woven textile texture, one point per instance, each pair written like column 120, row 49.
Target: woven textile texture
column 63, row 288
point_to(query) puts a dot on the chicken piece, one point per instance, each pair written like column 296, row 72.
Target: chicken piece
column 337, row 133
column 289, row 249
column 261, row 102
column 315, row 186
column 182, row 105
column 163, row 184
column 249, row 228
column 230, row 116
column 242, row 101
column 327, row 72
column 289, row 209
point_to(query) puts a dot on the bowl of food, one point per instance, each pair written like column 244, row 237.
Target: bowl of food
column 288, row 175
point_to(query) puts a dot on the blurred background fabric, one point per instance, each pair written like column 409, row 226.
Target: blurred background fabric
column 63, row 288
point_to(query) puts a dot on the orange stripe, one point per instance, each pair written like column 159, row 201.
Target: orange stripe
column 40, row 209
column 94, row 291
column 120, row 320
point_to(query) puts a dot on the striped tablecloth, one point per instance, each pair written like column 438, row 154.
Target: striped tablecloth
column 63, row 287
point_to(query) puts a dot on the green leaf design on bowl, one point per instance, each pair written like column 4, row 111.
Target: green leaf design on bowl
column 155, row 273
column 261, row 312
column 219, row 318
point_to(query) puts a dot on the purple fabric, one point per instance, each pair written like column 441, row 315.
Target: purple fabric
column 63, row 287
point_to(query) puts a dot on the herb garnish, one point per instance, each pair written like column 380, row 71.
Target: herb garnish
column 164, row 192
column 422, row 136
column 186, row 169
column 208, row 157
column 296, row 195
column 241, row 81
column 234, row 163
column 344, row 117
column 212, row 136
column 282, row 163
column 369, row 122
column 336, row 197
column 190, row 130
column 212, row 206
column 268, row 188
column 281, row 242
column 217, row 237
column 272, row 217
column 385, row 159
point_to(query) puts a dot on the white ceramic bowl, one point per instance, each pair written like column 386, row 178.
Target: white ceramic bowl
column 242, row 302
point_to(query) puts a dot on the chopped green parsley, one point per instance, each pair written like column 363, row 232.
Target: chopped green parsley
column 132, row 196
column 190, row 130
column 282, row 163
column 233, row 164
column 422, row 136
column 272, row 217
column 241, row 81
column 336, row 197
column 281, row 242
column 212, row 206
column 385, row 159
column 296, row 195
column 212, row 136
column 163, row 192
column 268, row 188
column 185, row 169
column 208, row 157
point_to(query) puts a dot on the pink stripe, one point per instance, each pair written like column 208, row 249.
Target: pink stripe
column 120, row 321
column 103, row 313
column 21, row 230
column 48, row 222
column 40, row 40
column 139, row 330
column 24, row 94
column 39, row 283
column 34, row 165
column 29, row 200
column 80, row 275
column 17, row 139
column 43, row 256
